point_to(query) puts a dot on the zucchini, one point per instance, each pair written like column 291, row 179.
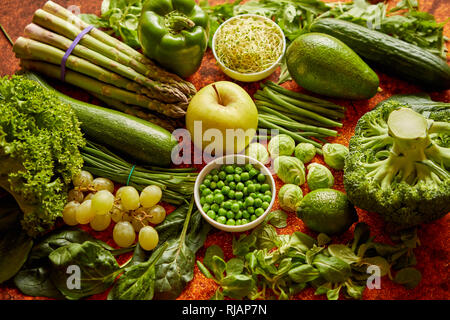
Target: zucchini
column 403, row 59
column 141, row 140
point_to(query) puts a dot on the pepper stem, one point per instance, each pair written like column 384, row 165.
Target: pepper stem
column 177, row 21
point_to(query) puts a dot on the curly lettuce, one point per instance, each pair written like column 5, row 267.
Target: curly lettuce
column 40, row 139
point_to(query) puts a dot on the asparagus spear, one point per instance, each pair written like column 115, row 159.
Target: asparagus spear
column 90, row 84
column 156, row 90
column 161, row 74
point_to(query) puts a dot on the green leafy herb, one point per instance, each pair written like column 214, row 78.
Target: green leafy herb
column 409, row 277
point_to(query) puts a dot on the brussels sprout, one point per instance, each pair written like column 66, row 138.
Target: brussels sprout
column 305, row 152
column 334, row 155
column 319, row 177
column 289, row 197
column 258, row 152
column 281, row 145
column 290, row 170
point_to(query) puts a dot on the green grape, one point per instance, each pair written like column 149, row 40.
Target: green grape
column 84, row 179
column 102, row 202
column 124, row 234
column 75, row 195
column 129, row 197
column 69, row 213
column 157, row 214
column 117, row 212
column 150, row 196
column 100, row 222
column 84, row 212
column 148, row 238
column 88, row 197
column 103, row 184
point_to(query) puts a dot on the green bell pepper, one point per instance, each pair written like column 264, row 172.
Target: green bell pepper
column 174, row 33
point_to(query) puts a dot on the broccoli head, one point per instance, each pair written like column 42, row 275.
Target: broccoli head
column 399, row 163
column 39, row 155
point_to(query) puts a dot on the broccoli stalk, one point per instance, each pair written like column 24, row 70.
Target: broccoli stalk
column 399, row 165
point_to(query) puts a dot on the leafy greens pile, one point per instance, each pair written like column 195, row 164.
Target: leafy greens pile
column 39, row 150
column 268, row 265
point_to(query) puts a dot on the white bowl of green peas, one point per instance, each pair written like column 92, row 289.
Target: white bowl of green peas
column 234, row 193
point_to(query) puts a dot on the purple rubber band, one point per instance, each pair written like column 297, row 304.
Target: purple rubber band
column 69, row 51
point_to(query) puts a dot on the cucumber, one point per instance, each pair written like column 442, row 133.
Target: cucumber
column 143, row 141
column 403, row 59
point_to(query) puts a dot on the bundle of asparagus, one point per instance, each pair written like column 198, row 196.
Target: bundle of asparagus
column 298, row 115
column 111, row 70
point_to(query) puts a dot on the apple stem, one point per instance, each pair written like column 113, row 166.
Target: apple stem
column 218, row 95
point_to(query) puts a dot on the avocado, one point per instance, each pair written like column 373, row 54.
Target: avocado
column 325, row 65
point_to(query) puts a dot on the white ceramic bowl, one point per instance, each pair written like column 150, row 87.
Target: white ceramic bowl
column 248, row 77
column 241, row 160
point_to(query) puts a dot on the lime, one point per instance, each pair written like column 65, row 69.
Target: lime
column 327, row 211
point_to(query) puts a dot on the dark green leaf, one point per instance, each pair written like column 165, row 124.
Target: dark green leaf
column 277, row 218
column 408, row 277
column 360, row 235
column 98, row 269
column 311, row 253
column 266, row 237
column 237, row 286
column 218, row 267
column 138, row 280
column 212, row 251
column 235, row 266
column 342, row 252
column 218, row 295
column 244, row 244
column 333, row 294
column 380, row 262
column 322, row 239
column 323, row 289
column 354, row 291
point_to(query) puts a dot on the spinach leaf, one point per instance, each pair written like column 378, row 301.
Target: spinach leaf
column 235, row 266
column 331, row 268
column 138, row 280
column 98, row 269
column 343, row 252
column 175, row 268
column 211, row 252
column 237, row 286
column 303, row 273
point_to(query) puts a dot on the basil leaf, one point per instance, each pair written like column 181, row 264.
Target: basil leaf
column 331, row 268
column 98, row 269
column 342, row 252
column 303, row 273
column 138, row 280
column 408, row 277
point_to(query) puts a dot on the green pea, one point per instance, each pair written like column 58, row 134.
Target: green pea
column 268, row 193
column 219, row 198
column 260, row 196
column 231, row 222
column 220, row 184
column 227, row 204
column 229, row 169
column 238, row 170
column 206, row 207
column 225, row 190
column 245, row 214
column 211, row 214
column 208, row 177
column 259, row 212
column 239, row 195
column 238, row 222
column 267, row 198
column 245, row 176
column 257, row 187
column 202, row 201
column 265, row 187
column 251, row 188
column 253, row 195
column 261, row 178
column 248, row 167
column 235, row 207
column 238, row 215
column 214, row 172
column 231, row 194
column 232, row 185
column 222, row 167
column 206, row 192
column 241, row 205
column 237, row 178
column 251, row 210
column 215, row 207
column 213, row 185
column 265, row 205
column 249, row 201
column 209, row 199
column 207, row 182
column 245, row 191
column 258, row 202
column 222, row 175
column 222, row 212
column 221, row 219
column 240, row 186
column 244, row 221
column 230, row 214
column 217, row 191
column 202, row 187
column 229, row 177
column 253, row 172
column 253, row 217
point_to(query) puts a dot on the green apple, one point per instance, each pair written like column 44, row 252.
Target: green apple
column 222, row 118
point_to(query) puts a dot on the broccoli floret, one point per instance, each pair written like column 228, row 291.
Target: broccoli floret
column 399, row 163
column 39, row 141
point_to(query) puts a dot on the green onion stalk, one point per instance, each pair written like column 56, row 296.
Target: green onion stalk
column 177, row 185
